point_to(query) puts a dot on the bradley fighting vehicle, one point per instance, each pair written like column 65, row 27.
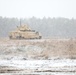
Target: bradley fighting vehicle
column 24, row 32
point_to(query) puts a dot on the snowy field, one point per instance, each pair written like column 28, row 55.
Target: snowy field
column 38, row 67
column 38, row 57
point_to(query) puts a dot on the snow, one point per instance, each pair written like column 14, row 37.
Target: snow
column 60, row 66
column 39, row 63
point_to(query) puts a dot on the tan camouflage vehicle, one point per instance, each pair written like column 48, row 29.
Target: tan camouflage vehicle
column 24, row 32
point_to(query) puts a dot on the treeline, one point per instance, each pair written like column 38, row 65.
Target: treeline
column 48, row 27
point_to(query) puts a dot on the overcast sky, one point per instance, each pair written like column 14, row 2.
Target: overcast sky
column 38, row 8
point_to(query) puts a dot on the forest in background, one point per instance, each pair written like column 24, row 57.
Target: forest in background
column 48, row 27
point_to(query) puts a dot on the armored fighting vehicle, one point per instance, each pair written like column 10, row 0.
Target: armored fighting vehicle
column 24, row 32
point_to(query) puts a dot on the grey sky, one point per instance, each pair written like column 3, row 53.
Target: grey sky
column 38, row 8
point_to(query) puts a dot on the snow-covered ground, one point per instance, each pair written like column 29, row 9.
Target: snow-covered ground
column 38, row 57
column 42, row 67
